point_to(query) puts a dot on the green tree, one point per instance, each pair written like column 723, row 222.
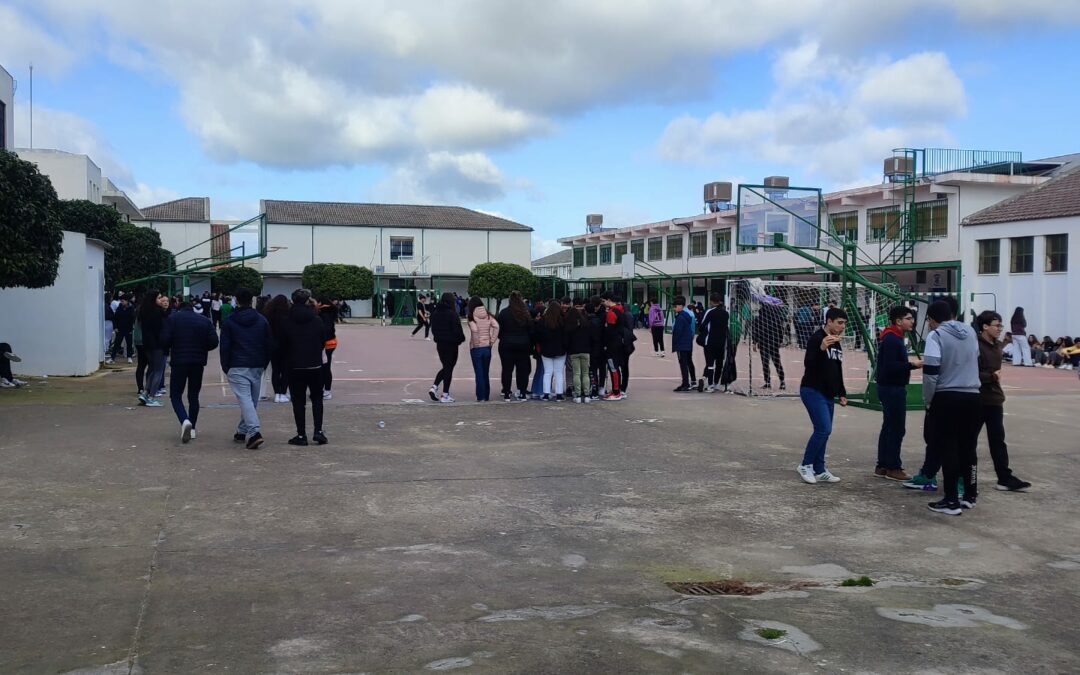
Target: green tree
column 31, row 240
column 139, row 254
column 231, row 279
column 498, row 280
column 97, row 221
column 329, row 281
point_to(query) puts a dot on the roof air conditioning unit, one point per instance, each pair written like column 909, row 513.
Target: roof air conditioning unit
column 594, row 222
column 776, row 187
column 899, row 169
column 718, row 196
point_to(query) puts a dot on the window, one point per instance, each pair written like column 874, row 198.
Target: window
column 881, row 223
column 620, row 251
column 989, row 256
column 674, row 247
column 932, row 219
column 401, row 248
column 1021, row 255
column 699, row 244
column 590, row 256
column 605, row 254
column 1057, row 253
column 721, row 242
column 656, row 248
column 846, row 225
column 579, row 257
column 637, row 247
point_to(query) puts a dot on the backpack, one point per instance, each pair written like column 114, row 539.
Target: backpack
column 626, row 322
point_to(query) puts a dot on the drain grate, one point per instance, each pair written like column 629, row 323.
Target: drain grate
column 722, row 587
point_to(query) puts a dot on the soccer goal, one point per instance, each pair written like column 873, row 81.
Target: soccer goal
column 771, row 322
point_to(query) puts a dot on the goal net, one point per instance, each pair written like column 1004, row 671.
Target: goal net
column 772, row 321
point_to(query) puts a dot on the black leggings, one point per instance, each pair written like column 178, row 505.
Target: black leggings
column 306, row 381
column 448, row 355
column 279, row 376
column 140, row 369
column 658, row 338
column 5, row 362
column 420, row 323
column 327, row 376
column 771, row 353
column 515, row 359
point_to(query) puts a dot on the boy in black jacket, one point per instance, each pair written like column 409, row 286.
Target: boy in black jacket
column 822, row 382
column 304, row 337
column 712, row 336
column 189, row 337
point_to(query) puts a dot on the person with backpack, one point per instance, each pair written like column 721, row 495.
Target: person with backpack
column 682, row 342
column 483, row 332
column 656, row 323
column 448, row 335
column 515, row 346
column 712, row 336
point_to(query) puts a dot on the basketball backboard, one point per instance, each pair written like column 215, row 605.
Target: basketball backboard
column 793, row 213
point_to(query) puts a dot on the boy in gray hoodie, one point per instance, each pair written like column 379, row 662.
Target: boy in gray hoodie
column 951, row 395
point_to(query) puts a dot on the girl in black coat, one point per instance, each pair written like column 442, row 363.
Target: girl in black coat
column 515, row 347
column 448, row 334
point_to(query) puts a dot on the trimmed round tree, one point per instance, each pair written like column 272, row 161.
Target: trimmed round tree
column 499, row 280
column 332, row 281
column 232, row 279
column 31, row 240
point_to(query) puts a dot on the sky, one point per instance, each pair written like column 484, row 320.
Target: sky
column 540, row 112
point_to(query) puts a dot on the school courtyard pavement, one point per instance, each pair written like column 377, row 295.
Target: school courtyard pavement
column 519, row 538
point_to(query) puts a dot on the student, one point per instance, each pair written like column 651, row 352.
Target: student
column 682, row 342
column 276, row 312
column 448, row 335
column 328, row 315
column 245, row 353
column 552, row 340
column 227, row 308
column 110, row 311
column 515, row 346
column 1021, row 350
column 767, row 332
column 712, row 336
column 7, row 357
column 421, row 316
column 893, row 374
column 579, row 348
column 656, row 325
column 614, row 350
column 303, row 342
column 483, row 332
column 823, row 381
column 215, row 309
column 993, row 401
column 596, row 314
column 189, row 337
column 124, row 323
column 951, row 391
column 151, row 322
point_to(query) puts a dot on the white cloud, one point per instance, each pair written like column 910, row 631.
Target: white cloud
column 443, row 176
column 60, row 130
column 542, row 247
column 25, row 42
column 143, row 195
column 830, row 115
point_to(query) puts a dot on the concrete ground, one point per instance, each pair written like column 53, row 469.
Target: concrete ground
column 519, row 538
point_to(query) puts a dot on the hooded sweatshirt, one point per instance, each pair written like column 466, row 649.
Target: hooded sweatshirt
column 245, row 340
column 656, row 316
column 951, row 360
column 483, row 329
column 893, row 367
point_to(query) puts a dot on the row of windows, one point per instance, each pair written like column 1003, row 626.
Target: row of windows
column 885, row 223
column 1022, row 254
column 607, row 254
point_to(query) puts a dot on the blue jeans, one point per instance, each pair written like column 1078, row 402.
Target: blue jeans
column 246, row 383
column 893, row 426
column 538, row 379
column 481, row 363
column 189, row 377
column 820, row 409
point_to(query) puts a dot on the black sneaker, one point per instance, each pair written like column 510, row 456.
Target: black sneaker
column 507, row 397
column 434, row 392
column 239, row 437
column 967, row 502
column 783, row 386
column 255, row 441
column 298, row 440
column 545, row 397
column 1014, row 484
column 521, row 397
column 767, row 385
column 700, row 386
column 952, row 508
column 319, row 437
column 560, row 397
column 681, row 388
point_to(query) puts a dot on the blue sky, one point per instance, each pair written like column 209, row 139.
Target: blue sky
column 540, row 112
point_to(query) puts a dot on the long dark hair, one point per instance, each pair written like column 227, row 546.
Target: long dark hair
column 276, row 310
column 553, row 316
column 1018, row 316
column 574, row 319
column 518, row 309
column 447, row 300
column 474, row 302
column 148, row 304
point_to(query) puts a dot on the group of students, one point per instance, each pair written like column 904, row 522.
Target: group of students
column 296, row 339
column 593, row 338
column 961, row 391
column 121, row 319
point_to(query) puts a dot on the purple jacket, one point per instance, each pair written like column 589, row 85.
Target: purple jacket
column 656, row 316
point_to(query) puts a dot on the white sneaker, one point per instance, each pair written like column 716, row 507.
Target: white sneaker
column 806, row 472
column 108, row 362
column 711, row 388
column 826, row 476
column 662, row 354
column 285, row 398
column 129, row 360
column 446, row 398
column 657, row 354
column 194, row 434
column 185, row 431
column 326, row 396
column 7, row 384
column 18, row 382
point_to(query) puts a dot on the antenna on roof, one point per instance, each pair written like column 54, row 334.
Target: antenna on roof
column 31, row 105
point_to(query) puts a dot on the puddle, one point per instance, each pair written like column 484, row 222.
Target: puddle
column 824, row 571
column 296, row 647
column 950, row 616
column 452, row 663
column 793, row 640
column 664, row 623
column 560, row 613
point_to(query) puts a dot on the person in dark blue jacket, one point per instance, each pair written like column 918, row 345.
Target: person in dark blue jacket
column 189, row 337
column 893, row 374
column 246, row 344
column 682, row 342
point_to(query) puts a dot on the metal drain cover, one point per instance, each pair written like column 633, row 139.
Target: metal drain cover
column 722, row 587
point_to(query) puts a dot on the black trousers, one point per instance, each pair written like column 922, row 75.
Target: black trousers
column 686, row 368
column 448, row 356
column 714, row 360
column 597, row 373
column 142, row 361
column 420, row 323
column 126, row 338
column 515, row 361
column 306, row 381
column 658, row 338
column 327, row 374
column 932, row 463
column 993, row 416
column 955, row 419
column 279, row 375
column 771, row 353
column 5, row 362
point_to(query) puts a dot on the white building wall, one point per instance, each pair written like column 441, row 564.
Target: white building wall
column 7, row 102
column 1051, row 300
column 59, row 330
column 176, row 237
column 72, row 176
